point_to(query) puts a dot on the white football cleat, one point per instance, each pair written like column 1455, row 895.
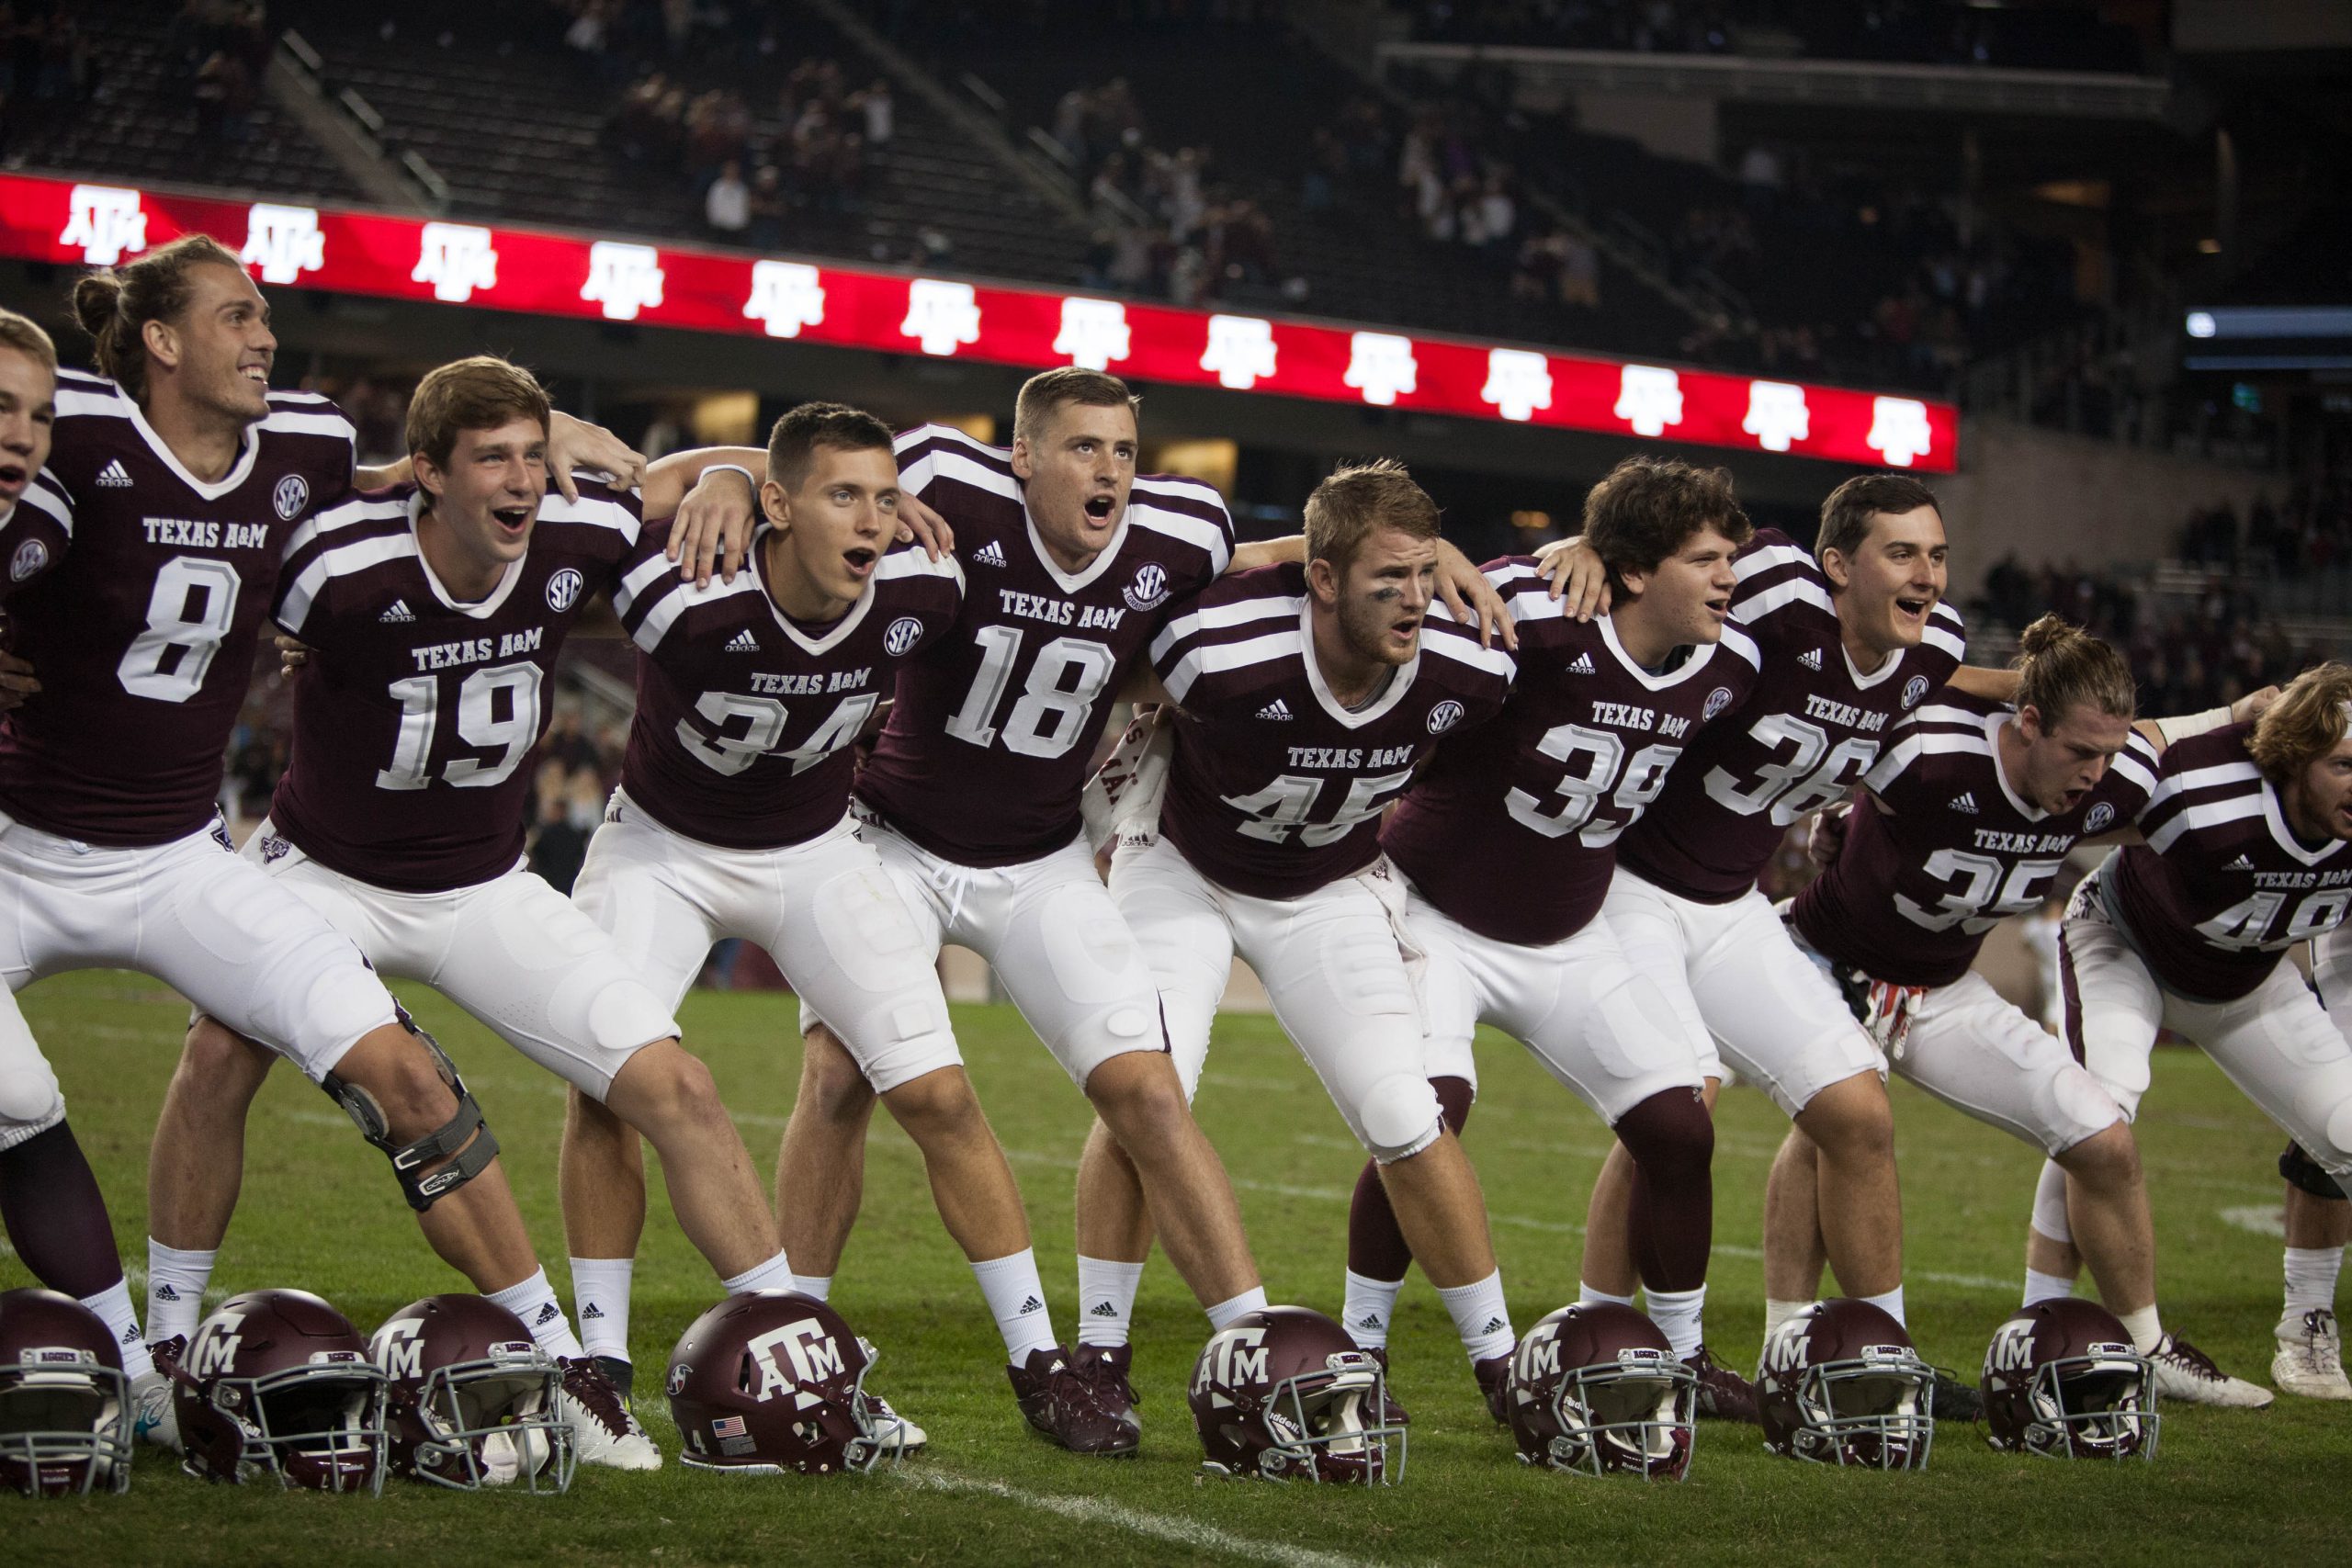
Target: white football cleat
column 603, row 1429
column 153, row 1419
column 2310, row 1356
column 2186, row 1375
column 913, row 1437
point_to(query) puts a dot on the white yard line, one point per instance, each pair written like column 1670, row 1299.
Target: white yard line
column 1135, row 1521
column 2262, row 1219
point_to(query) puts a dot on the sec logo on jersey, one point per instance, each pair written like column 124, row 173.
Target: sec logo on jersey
column 902, row 634
column 292, row 494
column 1914, row 690
column 1444, row 716
column 1717, row 700
column 2098, row 817
column 563, row 589
column 1149, row 590
column 30, row 556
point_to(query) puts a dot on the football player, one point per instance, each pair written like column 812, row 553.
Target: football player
column 1853, row 635
column 434, row 612
column 972, row 800
column 1967, row 818
column 2245, row 855
column 732, row 821
column 1507, row 841
column 1305, row 698
column 140, row 561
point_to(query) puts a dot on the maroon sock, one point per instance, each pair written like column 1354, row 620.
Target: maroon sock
column 55, row 1216
column 1377, row 1246
column 1672, row 1215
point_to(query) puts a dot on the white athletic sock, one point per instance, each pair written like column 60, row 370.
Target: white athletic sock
column 1480, row 1316
column 2311, row 1278
column 1677, row 1315
column 600, row 1294
column 113, row 1307
column 1593, row 1295
column 1232, row 1307
column 176, row 1282
column 1017, row 1301
column 2050, row 1204
column 1371, row 1308
column 818, row 1285
column 2040, row 1287
column 2147, row 1332
column 1891, row 1304
column 776, row 1274
column 534, row 1302
column 1778, row 1313
column 1106, row 1299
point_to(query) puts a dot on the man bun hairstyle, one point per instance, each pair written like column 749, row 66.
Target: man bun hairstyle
column 2062, row 667
column 1359, row 499
column 1846, row 514
column 25, row 336
column 1049, row 391
column 114, row 307
column 1645, row 509
column 480, row 393
column 793, row 442
column 2306, row 724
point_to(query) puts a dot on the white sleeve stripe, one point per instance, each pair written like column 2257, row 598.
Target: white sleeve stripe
column 72, row 402
column 342, row 517
column 2137, row 770
column 1757, row 606
column 1533, row 603
column 1947, row 742
column 2212, row 815
column 960, row 467
column 1890, row 764
column 1739, row 642
column 1207, row 538
column 1178, row 487
column 1945, row 712
column 294, row 604
column 1767, row 558
column 2218, row 773
column 1944, row 642
column 594, row 511
column 915, row 563
column 639, row 577
column 288, row 422
column 51, row 503
column 1212, row 658
column 1944, row 612
column 1222, row 617
column 1465, row 649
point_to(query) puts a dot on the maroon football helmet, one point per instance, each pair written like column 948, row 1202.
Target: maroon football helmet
column 279, row 1383
column 1284, row 1394
column 1841, row 1384
column 471, row 1399
column 65, row 1406
column 2062, row 1380
column 1598, row 1390
column 772, row 1380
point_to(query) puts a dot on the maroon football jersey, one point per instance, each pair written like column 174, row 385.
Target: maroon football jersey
column 1275, row 789
column 744, row 716
column 1512, row 829
column 1803, row 738
column 1912, row 893
column 2223, row 885
column 138, row 592
column 989, row 741
column 417, row 721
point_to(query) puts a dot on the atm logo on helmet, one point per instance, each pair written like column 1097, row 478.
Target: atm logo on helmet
column 216, row 1345
column 2012, row 1348
column 399, row 1350
column 1235, row 1357
column 1538, row 1356
column 816, row 1358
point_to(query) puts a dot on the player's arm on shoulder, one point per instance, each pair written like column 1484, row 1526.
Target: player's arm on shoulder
column 2162, row 732
column 1288, row 550
column 1143, row 686
column 1993, row 685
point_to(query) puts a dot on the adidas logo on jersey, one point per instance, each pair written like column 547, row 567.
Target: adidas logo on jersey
column 989, row 554
column 1964, row 801
column 592, row 1310
column 2241, row 863
column 1810, row 658
column 114, row 476
column 1583, row 666
column 743, row 642
column 398, row 615
column 1276, row 709
column 1030, row 1304
column 1102, row 1309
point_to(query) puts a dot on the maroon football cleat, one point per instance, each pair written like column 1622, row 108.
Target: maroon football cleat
column 1064, row 1404
column 1391, row 1413
column 1494, row 1381
column 1723, row 1394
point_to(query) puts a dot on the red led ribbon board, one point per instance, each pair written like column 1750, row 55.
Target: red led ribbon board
column 540, row 273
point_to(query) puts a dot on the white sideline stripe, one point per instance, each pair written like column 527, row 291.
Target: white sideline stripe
column 1155, row 1527
column 2262, row 1219
column 1524, row 1221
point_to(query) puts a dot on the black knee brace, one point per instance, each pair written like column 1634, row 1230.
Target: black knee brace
column 409, row 1160
column 2301, row 1171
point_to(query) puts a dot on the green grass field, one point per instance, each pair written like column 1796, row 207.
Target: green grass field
column 319, row 1211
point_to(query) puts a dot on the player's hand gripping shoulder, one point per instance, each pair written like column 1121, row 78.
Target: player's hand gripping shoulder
column 1461, row 585
column 16, row 682
column 1826, row 839
column 573, row 444
column 714, row 506
column 1577, row 576
column 2162, row 732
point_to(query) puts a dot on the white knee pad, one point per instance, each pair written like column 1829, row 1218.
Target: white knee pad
column 29, row 1102
column 2050, row 1204
column 1398, row 1117
column 2336, row 1158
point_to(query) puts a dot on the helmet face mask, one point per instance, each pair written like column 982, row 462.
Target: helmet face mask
column 2062, row 1380
column 278, row 1384
column 1596, row 1389
column 1841, row 1384
column 1285, row 1394
column 493, row 1422
column 64, row 1402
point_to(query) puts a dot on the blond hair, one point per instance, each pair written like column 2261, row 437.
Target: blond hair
column 2062, row 667
column 2306, row 724
column 25, row 335
column 1047, row 392
column 1359, row 499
